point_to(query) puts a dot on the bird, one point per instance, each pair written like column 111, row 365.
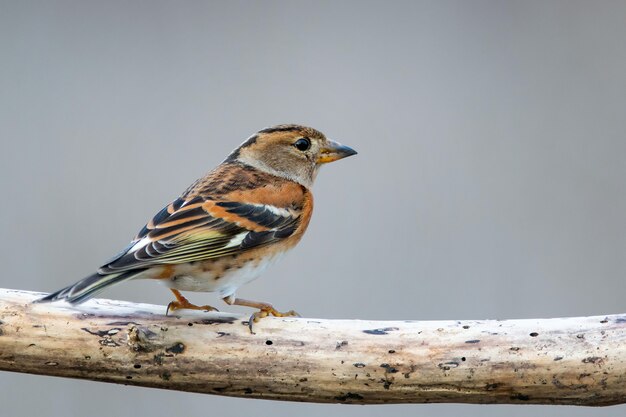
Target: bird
column 228, row 227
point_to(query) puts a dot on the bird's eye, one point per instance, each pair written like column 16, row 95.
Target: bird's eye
column 302, row 144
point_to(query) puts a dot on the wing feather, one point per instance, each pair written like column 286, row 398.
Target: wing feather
column 199, row 229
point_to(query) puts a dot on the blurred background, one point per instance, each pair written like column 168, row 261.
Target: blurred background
column 490, row 180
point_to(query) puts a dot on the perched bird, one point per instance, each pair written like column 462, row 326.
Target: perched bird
column 228, row 226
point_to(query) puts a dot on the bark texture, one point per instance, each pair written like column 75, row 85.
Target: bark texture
column 577, row 361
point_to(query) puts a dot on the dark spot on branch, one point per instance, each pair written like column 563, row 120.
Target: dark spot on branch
column 534, row 334
column 269, row 342
column 189, row 324
column 380, row 331
column 176, row 348
column 493, row 386
column 129, row 377
column 463, row 359
column 606, row 320
column 341, row 344
column 446, row 366
column 558, row 358
column 221, row 334
column 220, row 389
column 466, row 327
column 349, row 396
column 514, row 349
column 247, row 391
column 593, row 359
column 105, row 335
column 408, row 374
column 121, row 323
column 391, row 351
column 359, row 365
column 472, row 341
column 217, row 320
column 102, row 333
column 137, row 366
column 388, row 368
column 520, row 397
column 165, row 376
column 303, row 379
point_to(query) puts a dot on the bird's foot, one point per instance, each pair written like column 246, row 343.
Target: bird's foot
column 177, row 305
column 265, row 309
column 268, row 310
column 182, row 303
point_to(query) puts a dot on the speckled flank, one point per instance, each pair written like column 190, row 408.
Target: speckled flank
column 224, row 275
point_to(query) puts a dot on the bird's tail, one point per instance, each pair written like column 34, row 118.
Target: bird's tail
column 89, row 287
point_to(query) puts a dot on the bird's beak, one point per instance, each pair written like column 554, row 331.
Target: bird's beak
column 333, row 151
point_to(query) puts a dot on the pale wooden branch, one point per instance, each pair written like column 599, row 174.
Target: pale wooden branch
column 578, row 361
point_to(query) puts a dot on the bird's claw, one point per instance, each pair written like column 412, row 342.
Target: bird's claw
column 177, row 305
column 269, row 311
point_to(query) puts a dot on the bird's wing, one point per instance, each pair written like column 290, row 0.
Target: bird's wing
column 199, row 228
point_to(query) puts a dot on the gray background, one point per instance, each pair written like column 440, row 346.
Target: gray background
column 490, row 180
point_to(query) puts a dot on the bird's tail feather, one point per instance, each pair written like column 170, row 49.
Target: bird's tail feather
column 89, row 287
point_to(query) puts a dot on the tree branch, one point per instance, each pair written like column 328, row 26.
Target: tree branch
column 577, row 361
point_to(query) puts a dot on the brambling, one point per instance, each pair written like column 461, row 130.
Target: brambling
column 228, row 226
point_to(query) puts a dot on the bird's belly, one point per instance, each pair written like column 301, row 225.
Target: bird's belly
column 215, row 276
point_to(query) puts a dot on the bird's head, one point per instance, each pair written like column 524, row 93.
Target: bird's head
column 290, row 151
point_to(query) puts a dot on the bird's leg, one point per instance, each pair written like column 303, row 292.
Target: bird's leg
column 265, row 309
column 182, row 303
